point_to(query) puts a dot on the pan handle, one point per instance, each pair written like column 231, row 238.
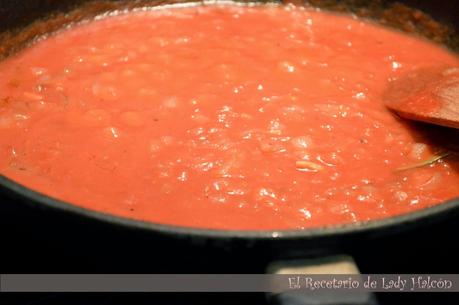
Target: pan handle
column 338, row 265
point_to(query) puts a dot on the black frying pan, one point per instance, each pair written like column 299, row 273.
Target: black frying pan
column 54, row 221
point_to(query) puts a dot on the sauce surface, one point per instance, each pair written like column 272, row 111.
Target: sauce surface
column 227, row 117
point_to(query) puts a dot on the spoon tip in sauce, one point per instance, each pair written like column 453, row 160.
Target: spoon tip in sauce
column 429, row 95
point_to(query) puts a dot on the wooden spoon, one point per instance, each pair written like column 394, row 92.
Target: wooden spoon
column 427, row 95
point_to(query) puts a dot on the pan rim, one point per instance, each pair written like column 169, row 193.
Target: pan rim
column 383, row 225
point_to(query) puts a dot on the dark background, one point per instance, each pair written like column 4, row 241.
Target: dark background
column 28, row 249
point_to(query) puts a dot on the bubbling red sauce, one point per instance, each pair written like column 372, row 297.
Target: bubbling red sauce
column 227, row 117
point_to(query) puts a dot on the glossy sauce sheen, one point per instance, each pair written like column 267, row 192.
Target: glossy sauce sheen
column 224, row 117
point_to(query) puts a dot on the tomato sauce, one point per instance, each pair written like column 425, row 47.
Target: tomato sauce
column 227, row 117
